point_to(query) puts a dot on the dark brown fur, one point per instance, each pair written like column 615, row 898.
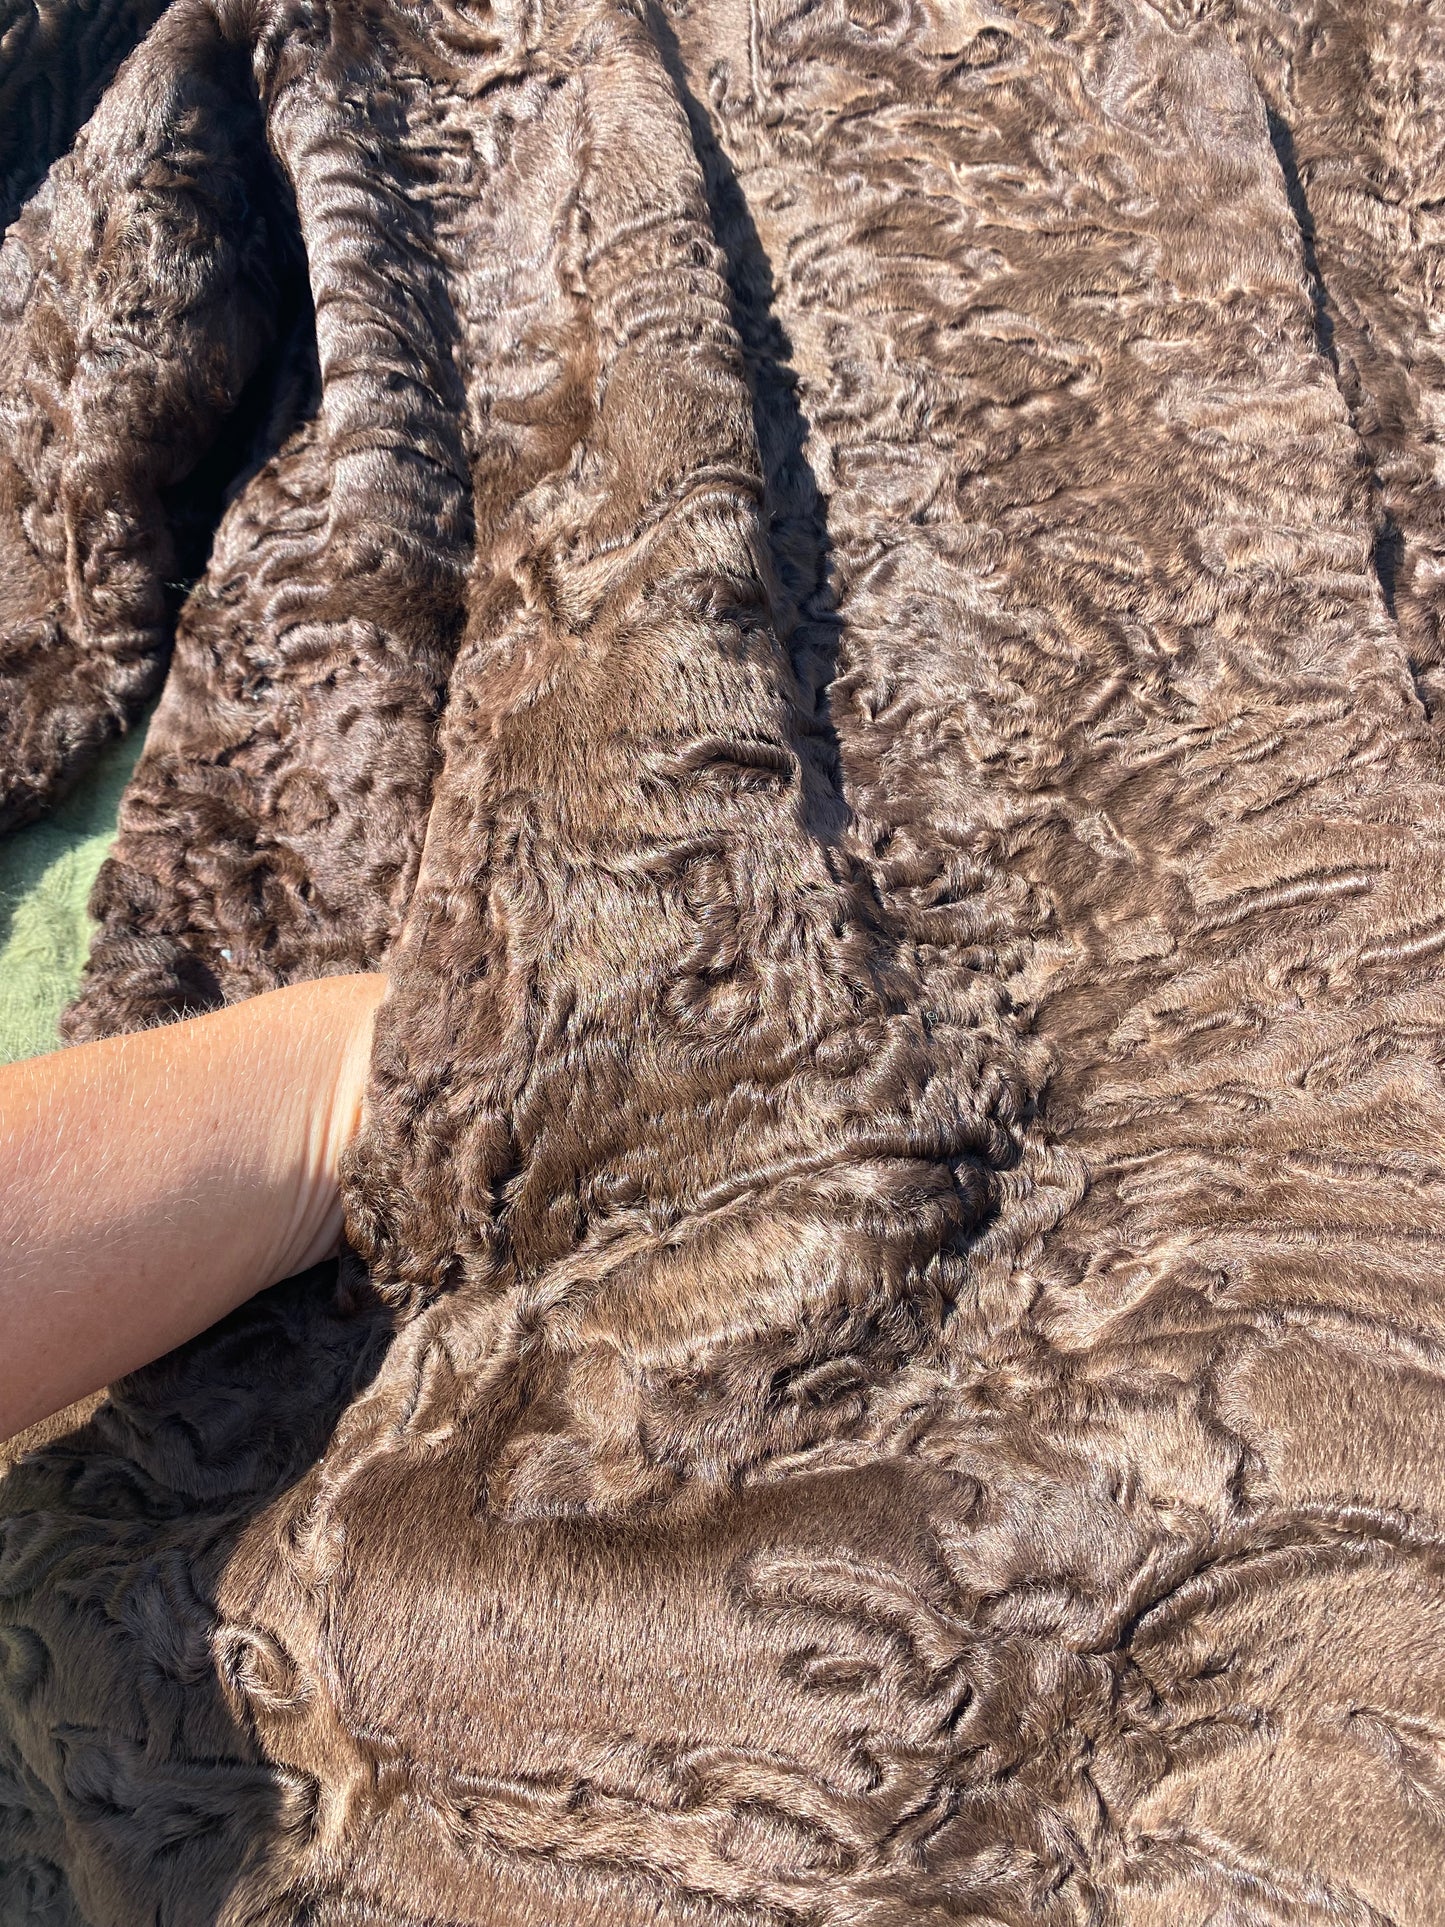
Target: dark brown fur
column 846, row 597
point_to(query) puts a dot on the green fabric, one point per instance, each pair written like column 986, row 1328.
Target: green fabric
column 46, row 871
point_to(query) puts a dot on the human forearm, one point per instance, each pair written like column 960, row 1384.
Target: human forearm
column 151, row 1182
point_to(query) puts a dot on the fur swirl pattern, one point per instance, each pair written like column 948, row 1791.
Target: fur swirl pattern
column 848, row 596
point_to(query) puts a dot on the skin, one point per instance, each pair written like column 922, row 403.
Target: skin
column 152, row 1182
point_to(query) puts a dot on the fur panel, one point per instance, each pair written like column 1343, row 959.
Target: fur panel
column 151, row 232
column 1352, row 94
column 821, row 602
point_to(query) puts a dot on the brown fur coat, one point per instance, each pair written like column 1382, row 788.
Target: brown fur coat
column 849, row 592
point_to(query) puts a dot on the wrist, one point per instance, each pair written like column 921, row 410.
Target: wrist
column 333, row 1021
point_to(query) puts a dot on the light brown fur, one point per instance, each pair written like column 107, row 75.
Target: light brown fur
column 844, row 609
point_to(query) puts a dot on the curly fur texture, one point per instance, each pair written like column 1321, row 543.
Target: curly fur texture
column 846, row 594
column 55, row 64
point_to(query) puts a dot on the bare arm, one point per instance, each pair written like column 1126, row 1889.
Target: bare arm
column 150, row 1183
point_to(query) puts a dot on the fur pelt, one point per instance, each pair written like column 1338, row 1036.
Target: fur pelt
column 849, row 596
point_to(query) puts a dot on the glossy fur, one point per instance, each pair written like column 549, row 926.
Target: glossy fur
column 849, row 597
